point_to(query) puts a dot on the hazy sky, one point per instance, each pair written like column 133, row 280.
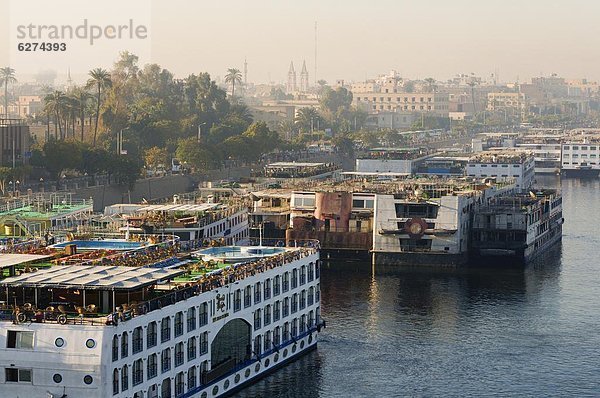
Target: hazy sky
column 438, row 38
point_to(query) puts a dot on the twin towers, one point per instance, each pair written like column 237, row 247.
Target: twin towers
column 292, row 86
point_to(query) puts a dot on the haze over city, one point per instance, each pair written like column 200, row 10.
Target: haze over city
column 355, row 40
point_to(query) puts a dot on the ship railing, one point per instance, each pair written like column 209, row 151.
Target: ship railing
column 210, row 281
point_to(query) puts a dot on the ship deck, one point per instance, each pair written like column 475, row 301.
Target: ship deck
column 73, row 294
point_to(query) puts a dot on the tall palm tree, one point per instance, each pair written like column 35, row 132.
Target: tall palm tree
column 7, row 75
column 82, row 97
column 431, row 87
column 99, row 78
column 472, row 84
column 56, row 103
column 233, row 76
column 306, row 119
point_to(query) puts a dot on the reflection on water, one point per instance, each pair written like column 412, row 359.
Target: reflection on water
column 413, row 332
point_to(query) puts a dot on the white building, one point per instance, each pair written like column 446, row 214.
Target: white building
column 503, row 165
column 581, row 158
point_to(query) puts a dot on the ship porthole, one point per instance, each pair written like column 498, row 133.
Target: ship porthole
column 57, row 378
column 294, row 348
column 257, row 367
column 285, row 352
column 237, row 378
column 302, row 344
column 90, row 343
column 226, row 385
column 215, row 390
column 310, row 339
column 267, row 362
column 59, row 342
column 247, row 374
column 204, row 395
column 88, row 379
column 276, row 358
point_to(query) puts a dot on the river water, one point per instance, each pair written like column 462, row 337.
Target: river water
column 404, row 332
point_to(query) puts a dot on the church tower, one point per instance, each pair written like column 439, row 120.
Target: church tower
column 291, row 84
column 304, row 78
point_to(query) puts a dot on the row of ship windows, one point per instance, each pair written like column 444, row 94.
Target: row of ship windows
column 583, row 155
column 583, row 148
column 24, row 375
column 120, row 343
column 413, row 107
column 398, row 99
column 262, row 343
column 494, row 175
column 281, row 308
column 194, row 381
column 495, row 165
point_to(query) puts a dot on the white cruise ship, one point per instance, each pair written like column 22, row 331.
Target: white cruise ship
column 204, row 329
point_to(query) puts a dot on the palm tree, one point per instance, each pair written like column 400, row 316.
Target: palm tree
column 7, row 75
column 56, row 103
column 431, row 87
column 81, row 96
column 307, row 118
column 99, row 78
column 233, row 76
column 472, row 84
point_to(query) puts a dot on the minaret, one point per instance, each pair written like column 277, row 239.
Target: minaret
column 304, row 78
column 291, row 84
column 69, row 80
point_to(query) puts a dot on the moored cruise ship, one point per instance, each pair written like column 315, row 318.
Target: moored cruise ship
column 513, row 230
column 200, row 328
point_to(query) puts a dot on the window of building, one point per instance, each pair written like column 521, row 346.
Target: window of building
column 192, row 378
column 179, row 354
column 152, row 366
column 178, row 324
column 165, row 329
column 137, row 340
column 16, row 375
column 19, row 340
column 165, row 359
column 203, row 343
column 124, row 345
column 137, row 372
column 151, row 334
column 124, row 378
column 203, row 314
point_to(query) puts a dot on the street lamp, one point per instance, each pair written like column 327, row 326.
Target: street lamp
column 200, row 131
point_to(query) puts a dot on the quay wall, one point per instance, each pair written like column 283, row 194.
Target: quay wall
column 152, row 188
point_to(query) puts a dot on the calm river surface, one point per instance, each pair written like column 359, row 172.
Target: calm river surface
column 404, row 332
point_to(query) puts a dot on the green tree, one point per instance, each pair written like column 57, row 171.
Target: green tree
column 232, row 77
column 55, row 103
column 155, row 156
column 100, row 79
column 82, row 98
column 307, row 119
column 7, row 76
column 6, row 173
column 197, row 155
column 60, row 156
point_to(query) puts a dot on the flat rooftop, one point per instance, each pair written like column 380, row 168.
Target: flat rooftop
column 294, row 164
column 39, row 212
column 9, row 260
column 93, row 277
column 180, row 207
